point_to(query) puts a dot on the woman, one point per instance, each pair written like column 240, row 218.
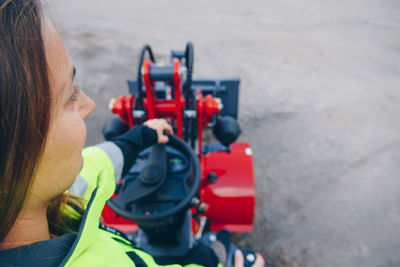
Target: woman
column 42, row 133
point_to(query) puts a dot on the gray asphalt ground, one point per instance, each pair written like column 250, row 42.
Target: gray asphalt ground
column 320, row 105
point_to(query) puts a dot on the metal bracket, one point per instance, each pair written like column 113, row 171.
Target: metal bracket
column 190, row 113
column 139, row 114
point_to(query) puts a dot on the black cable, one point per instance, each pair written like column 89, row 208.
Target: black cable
column 146, row 48
column 187, row 90
column 190, row 93
column 189, row 57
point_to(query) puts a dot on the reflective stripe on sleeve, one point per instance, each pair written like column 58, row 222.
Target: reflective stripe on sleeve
column 79, row 187
column 116, row 157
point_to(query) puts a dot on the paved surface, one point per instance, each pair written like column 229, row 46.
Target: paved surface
column 320, row 104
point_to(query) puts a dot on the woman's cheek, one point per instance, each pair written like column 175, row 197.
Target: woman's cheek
column 68, row 138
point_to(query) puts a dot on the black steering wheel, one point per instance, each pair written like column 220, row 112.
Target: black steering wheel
column 160, row 184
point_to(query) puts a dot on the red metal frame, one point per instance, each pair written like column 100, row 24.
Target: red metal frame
column 124, row 106
column 164, row 108
column 231, row 199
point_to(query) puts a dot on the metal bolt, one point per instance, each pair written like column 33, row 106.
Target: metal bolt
column 212, row 238
column 195, row 201
column 212, row 177
column 250, row 257
column 190, row 113
column 138, row 113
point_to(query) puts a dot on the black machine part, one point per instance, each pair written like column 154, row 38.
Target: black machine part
column 225, row 238
column 157, row 191
column 149, row 181
column 226, row 130
column 184, row 241
column 248, row 255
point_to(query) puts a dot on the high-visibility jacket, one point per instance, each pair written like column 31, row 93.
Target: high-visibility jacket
column 95, row 246
column 91, row 245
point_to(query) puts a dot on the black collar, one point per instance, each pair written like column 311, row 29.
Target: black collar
column 44, row 253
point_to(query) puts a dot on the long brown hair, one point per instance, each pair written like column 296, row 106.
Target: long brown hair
column 25, row 107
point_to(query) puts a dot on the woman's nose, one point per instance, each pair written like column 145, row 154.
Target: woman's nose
column 86, row 106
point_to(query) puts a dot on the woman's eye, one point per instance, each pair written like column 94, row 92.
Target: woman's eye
column 75, row 93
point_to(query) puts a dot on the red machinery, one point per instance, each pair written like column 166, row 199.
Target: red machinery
column 226, row 193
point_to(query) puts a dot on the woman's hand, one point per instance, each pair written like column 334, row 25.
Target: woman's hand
column 160, row 125
column 239, row 260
